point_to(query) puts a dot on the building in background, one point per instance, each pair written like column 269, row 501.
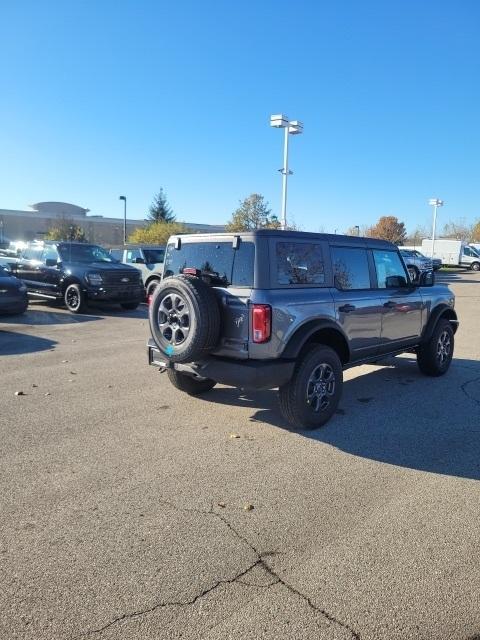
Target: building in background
column 34, row 224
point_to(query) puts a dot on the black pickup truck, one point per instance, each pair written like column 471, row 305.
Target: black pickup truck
column 78, row 273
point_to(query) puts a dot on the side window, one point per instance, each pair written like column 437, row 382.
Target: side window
column 299, row 263
column 117, row 254
column 33, row 253
column 243, row 265
column 387, row 264
column 350, row 268
column 50, row 253
column 133, row 254
column 467, row 252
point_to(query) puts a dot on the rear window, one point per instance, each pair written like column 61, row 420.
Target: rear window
column 299, row 263
column 226, row 265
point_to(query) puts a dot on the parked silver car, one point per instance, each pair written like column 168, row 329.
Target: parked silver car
column 415, row 262
column 148, row 259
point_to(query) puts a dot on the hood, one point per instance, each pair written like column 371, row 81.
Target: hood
column 102, row 266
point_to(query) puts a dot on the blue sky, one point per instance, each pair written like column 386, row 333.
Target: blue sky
column 107, row 98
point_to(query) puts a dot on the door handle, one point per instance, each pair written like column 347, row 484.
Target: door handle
column 347, row 307
column 390, row 304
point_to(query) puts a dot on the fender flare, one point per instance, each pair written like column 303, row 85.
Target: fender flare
column 439, row 313
column 303, row 334
column 70, row 279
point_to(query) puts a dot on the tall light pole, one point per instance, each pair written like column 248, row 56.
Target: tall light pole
column 291, row 127
column 435, row 203
column 358, row 229
column 124, row 198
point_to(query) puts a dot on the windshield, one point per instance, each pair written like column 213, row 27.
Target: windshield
column 153, row 256
column 84, row 253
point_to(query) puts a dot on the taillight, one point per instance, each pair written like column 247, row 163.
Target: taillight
column 261, row 322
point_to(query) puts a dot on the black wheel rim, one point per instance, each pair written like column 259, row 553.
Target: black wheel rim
column 174, row 319
column 320, row 387
column 72, row 298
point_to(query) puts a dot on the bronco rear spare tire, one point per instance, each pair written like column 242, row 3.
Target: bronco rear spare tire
column 184, row 318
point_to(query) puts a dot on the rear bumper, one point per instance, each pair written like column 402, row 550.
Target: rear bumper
column 245, row 374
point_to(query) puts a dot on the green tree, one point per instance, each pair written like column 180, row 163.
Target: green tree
column 157, row 232
column 253, row 213
column 388, row 228
column 160, row 209
column 66, row 229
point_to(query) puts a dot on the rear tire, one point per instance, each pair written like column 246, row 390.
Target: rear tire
column 189, row 384
column 434, row 357
column 75, row 299
column 312, row 395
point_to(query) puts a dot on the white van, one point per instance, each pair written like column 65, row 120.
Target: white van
column 453, row 252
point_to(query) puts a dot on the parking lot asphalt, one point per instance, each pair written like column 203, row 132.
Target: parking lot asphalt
column 130, row 510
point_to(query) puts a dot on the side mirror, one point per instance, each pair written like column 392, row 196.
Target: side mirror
column 51, row 262
column 396, row 282
column 139, row 261
column 427, row 279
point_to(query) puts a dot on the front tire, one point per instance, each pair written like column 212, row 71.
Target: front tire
column 311, row 397
column 75, row 299
column 151, row 286
column 434, row 357
column 189, row 384
column 413, row 272
column 475, row 266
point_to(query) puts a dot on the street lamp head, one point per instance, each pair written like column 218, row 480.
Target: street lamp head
column 279, row 121
column 295, row 127
column 435, row 202
column 122, row 198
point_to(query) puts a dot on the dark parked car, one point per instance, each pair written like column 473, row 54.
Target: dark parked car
column 13, row 293
column 78, row 273
column 291, row 310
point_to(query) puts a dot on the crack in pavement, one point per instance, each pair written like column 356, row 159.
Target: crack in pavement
column 464, row 386
column 259, row 562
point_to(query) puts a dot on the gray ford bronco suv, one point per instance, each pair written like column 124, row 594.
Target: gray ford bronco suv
column 290, row 310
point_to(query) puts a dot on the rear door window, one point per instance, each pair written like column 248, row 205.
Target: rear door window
column 219, row 260
column 350, row 268
column 300, row 263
